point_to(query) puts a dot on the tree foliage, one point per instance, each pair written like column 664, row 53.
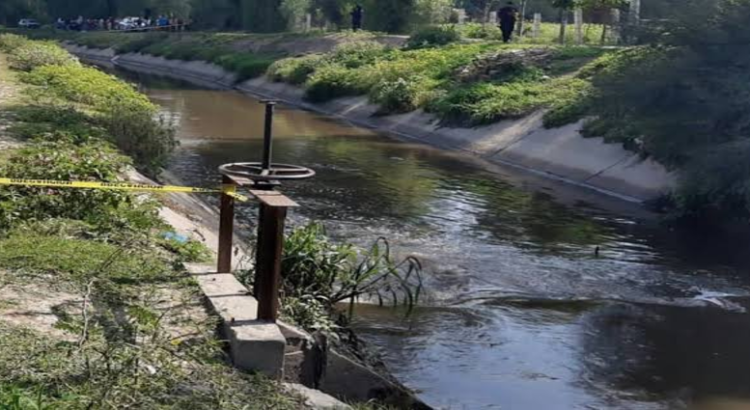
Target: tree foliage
column 684, row 99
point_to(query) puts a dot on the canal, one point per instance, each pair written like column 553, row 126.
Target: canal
column 522, row 312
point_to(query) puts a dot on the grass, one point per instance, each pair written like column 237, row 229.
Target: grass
column 405, row 80
column 122, row 350
column 132, row 337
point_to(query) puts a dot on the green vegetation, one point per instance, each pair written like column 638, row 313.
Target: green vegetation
column 682, row 100
column 548, row 33
column 130, row 330
column 122, row 346
column 35, row 54
column 435, row 79
column 79, row 104
column 318, row 274
column 432, row 36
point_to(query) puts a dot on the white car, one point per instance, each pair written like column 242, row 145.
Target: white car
column 128, row 23
column 28, row 23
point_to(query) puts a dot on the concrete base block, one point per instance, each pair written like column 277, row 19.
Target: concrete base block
column 254, row 345
column 257, row 346
column 316, row 399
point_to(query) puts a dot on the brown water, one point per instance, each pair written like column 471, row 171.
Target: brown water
column 522, row 314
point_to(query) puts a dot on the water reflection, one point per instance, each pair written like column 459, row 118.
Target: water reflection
column 528, row 316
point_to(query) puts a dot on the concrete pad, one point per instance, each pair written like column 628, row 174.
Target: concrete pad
column 417, row 125
column 254, row 345
column 643, row 179
column 195, row 72
column 563, row 152
column 268, row 89
column 315, row 398
column 353, row 381
column 488, row 140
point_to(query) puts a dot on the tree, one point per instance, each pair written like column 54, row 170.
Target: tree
column 604, row 8
column 216, row 14
column 564, row 7
column 13, row 10
column 335, row 12
column 433, row 11
column 262, row 16
column 391, row 16
column 684, row 100
column 294, row 11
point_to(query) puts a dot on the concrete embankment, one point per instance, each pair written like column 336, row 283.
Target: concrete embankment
column 561, row 154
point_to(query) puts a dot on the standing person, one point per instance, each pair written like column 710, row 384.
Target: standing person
column 357, row 16
column 507, row 17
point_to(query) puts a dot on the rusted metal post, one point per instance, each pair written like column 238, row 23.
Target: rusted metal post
column 269, row 254
column 226, row 230
column 268, row 135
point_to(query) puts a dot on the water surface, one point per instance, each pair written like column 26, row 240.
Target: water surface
column 522, row 313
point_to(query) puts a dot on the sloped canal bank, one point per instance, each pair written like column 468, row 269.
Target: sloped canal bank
column 523, row 313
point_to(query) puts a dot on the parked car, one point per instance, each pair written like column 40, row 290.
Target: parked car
column 28, row 23
column 129, row 23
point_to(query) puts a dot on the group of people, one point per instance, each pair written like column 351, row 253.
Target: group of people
column 128, row 23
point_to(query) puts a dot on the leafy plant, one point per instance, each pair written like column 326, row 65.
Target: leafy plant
column 318, row 274
column 332, row 81
column 294, row 70
column 37, row 54
column 403, row 95
column 433, row 36
column 357, row 53
column 11, row 42
column 128, row 119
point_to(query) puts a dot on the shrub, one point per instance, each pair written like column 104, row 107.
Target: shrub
column 246, row 65
column 128, row 117
column 85, row 85
column 318, row 274
column 713, row 185
column 433, row 36
column 37, row 54
column 485, row 103
column 356, row 54
column 11, row 42
column 294, row 70
column 65, row 162
column 55, row 123
column 147, row 140
column 402, row 95
column 481, row 31
column 332, row 81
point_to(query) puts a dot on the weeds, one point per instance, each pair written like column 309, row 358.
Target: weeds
column 131, row 338
column 37, row 54
column 318, row 274
column 114, row 110
column 433, row 36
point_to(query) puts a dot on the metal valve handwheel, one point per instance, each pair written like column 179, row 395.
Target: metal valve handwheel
column 257, row 171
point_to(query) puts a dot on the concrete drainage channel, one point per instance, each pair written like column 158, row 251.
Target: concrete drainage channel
column 561, row 154
column 284, row 352
column 306, row 364
column 280, row 350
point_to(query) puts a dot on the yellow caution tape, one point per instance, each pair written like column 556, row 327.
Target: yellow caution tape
column 230, row 190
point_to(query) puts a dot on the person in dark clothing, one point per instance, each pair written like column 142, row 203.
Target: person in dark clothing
column 357, row 15
column 507, row 17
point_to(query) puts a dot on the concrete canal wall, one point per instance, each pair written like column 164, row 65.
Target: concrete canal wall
column 561, row 154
